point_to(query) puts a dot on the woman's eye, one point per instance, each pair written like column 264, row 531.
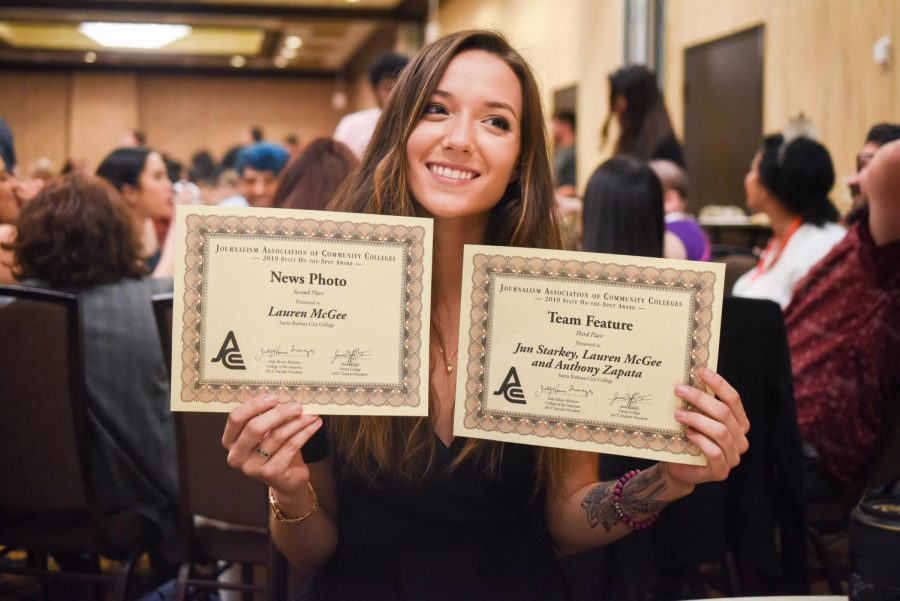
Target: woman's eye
column 435, row 109
column 498, row 122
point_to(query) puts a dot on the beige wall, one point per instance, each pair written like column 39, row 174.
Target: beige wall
column 818, row 60
column 567, row 42
column 84, row 115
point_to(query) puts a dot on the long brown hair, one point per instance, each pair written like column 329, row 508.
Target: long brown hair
column 645, row 123
column 524, row 216
column 310, row 180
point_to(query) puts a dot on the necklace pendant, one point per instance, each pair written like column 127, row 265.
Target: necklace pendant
column 449, row 369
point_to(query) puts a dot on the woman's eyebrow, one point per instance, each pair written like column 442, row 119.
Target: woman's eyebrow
column 494, row 104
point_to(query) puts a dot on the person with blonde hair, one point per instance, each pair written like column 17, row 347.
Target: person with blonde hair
column 397, row 507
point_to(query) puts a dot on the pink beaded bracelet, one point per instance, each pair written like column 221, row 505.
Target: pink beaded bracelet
column 617, row 495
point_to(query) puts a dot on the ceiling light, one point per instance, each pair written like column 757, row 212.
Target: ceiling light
column 237, row 61
column 281, row 62
column 293, row 41
column 90, row 57
column 352, row 1
column 288, row 53
column 133, row 35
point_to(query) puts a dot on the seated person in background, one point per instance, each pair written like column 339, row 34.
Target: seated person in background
column 842, row 330
column 562, row 125
column 78, row 236
column 140, row 176
column 878, row 136
column 310, row 180
column 259, row 166
column 623, row 209
column 356, row 129
column 10, row 204
column 685, row 239
column 789, row 180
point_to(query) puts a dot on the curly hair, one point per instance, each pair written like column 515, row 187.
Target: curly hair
column 77, row 232
column 799, row 173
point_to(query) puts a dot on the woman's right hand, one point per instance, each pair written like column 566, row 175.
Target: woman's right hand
column 264, row 439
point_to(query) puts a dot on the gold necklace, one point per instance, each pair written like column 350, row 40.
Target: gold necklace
column 448, row 361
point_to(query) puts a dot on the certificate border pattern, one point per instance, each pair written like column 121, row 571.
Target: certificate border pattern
column 411, row 237
column 701, row 285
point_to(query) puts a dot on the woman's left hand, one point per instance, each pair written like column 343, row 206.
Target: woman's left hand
column 718, row 427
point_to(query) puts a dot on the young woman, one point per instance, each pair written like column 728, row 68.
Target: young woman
column 389, row 508
column 140, row 176
column 645, row 129
column 789, row 181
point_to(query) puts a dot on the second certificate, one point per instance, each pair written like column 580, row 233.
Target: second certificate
column 583, row 351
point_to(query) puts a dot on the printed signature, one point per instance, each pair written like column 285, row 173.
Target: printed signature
column 278, row 351
column 630, row 400
column 351, row 357
column 559, row 390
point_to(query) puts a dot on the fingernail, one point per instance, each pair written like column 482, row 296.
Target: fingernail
column 680, row 414
column 705, row 372
column 298, row 407
column 270, row 398
column 681, row 389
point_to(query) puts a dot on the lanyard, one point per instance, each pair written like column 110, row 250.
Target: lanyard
column 761, row 266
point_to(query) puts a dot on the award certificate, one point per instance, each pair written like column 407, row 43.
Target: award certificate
column 326, row 309
column 583, row 351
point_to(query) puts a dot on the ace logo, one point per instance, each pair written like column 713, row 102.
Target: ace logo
column 230, row 354
column 511, row 389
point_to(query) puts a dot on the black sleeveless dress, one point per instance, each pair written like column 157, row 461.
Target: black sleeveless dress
column 459, row 534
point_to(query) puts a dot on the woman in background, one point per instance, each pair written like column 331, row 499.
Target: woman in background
column 78, row 235
column 789, row 181
column 310, row 180
column 645, row 129
column 140, row 176
column 623, row 209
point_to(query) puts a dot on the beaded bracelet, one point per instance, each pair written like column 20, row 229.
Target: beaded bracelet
column 617, row 495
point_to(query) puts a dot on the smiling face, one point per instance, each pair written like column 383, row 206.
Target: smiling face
column 463, row 152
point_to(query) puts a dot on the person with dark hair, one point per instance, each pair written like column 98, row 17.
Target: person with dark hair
column 842, row 327
column 623, row 209
column 10, row 205
column 7, row 146
column 141, row 176
column 685, row 239
column 789, row 181
column 562, row 125
column 645, row 128
column 78, row 235
column 259, row 166
column 310, row 180
column 397, row 508
column 355, row 130
column 256, row 134
column 879, row 135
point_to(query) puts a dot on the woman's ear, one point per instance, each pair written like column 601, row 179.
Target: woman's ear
column 130, row 194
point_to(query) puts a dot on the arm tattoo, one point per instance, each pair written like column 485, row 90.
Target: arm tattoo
column 638, row 499
column 598, row 504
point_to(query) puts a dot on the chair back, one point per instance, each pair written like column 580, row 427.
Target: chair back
column 883, row 466
column 43, row 419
